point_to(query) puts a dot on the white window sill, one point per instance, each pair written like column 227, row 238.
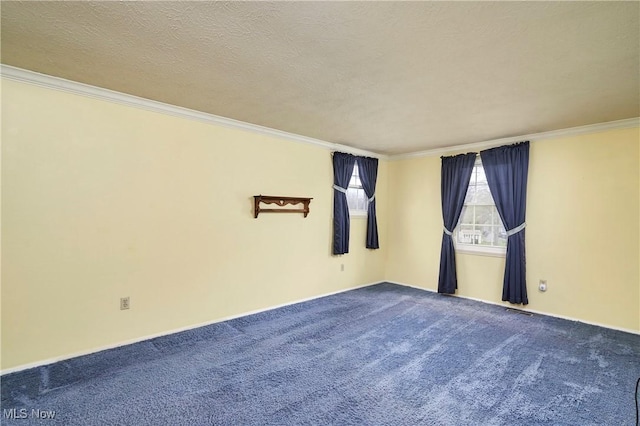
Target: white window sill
column 481, row 250
column 358, row 213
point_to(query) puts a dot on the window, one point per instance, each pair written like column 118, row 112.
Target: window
column 357, row 200
column 480, row 229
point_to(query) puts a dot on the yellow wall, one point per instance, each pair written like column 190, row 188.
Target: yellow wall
column 101, row 201
column 582, row 229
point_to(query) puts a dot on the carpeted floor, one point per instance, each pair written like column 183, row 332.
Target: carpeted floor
column 381, row 355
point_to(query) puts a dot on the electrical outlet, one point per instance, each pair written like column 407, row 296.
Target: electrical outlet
column 124, row 303
column 542, row 285
column 342, row 267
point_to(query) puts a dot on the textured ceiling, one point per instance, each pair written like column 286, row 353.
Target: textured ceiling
column 390, row 77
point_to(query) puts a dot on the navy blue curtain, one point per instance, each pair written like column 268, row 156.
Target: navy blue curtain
column 456, row 174
column 368, row 175
column 507, row 168
column 342, row 171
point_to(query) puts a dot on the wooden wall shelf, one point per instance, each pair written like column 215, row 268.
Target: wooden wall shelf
column 280, row 201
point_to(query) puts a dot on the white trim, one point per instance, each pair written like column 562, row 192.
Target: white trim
column 534, row 311
column 521, row 308
column 358, row 213
column 204, row 324
column 410, row 286
column 480, row 250
column 63, row 85
column 173, row 331
column 572, row 131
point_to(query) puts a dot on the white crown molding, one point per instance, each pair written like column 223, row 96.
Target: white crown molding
column 61, row 84
column 478, row 146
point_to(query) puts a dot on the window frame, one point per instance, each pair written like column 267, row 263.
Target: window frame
column 476, row 249
column 356, row 184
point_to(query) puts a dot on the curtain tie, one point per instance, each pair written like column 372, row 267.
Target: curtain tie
column 372, row 197
column 446, row 231
column 339, row 188
column 517, row 229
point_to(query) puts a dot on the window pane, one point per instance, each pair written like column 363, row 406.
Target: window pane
column 362, row 200
column 483, row 195
column 467, row 215
column 481, row 176
column 356, row 198
column 351, row 198
column 466, row 234
column 479, row 222
column 471, row 195
column 484, row 215
column 488, row 234
column 355, row 178
column 496, row 217
column 502, row 237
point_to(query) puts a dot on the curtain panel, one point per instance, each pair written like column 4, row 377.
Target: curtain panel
column 455, row 176
column 507, row 168
column 368, row 168
column 342, row 171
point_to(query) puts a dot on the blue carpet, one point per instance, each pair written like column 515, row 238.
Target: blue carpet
column 381, row 355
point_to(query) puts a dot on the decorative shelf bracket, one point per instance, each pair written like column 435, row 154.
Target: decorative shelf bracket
column 280, row 201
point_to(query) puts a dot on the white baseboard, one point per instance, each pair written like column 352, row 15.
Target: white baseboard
column 203, row 324
column 166, row 333
column 525, row 309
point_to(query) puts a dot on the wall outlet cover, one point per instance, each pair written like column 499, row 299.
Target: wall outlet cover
column 124, row 303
